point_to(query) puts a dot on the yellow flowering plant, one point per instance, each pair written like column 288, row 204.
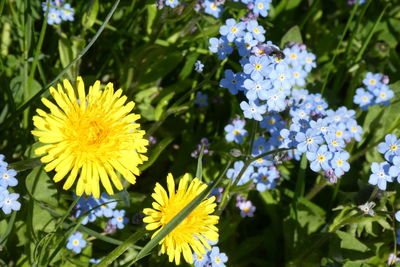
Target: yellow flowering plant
column 192, row 233
column 88, row 137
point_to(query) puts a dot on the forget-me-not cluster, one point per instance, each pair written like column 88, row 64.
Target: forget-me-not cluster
column 93, row 208
column 8, row 200
column 58, row 12
column 267, row 77
column 388, row 170
column 213, row 257
column 376, row 91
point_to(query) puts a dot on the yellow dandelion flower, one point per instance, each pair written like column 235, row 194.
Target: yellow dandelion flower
column 89, row 137
column 194, row 231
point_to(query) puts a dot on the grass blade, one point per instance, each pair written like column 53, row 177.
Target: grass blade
column 199, row 170
column 106, row 261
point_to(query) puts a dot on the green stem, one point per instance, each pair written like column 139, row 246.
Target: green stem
column 366, row 42
column 253, row 135
column 199, row 170
column 355, row 30
column 39, row 45
column 300, row 184
column 337, row 186
column 394, row 230
column 317, row 188
column 73, row 204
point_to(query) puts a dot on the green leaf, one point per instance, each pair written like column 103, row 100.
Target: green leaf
column 65, row 50
column 268, row 198
column 199, row 170
column 151, row 14
column 346, row 213
column 26, row 164
column 39, row 185
column 160, row 67
column 350, row 242
column 42, row 220
column 189, row 65
column 7, row 227
column 162, row 105
column 396, row 88
column 292, row 35
column 89, row 17
column 292, row 4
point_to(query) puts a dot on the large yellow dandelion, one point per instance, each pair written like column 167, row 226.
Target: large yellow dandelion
column 194, row 231
column 90, row 137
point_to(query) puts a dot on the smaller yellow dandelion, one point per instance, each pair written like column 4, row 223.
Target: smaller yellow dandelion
column 192, row 233
column 89, row 136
